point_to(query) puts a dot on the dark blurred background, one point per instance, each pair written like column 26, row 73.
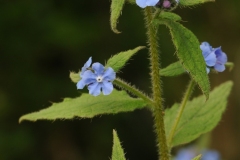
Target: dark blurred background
column 41, row 41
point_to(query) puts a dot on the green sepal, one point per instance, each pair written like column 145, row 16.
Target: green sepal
column 75, row 77
column 116, row 10
column 230, row 65
column 117, row 150
column 119, row 60
column 170, row 16
column 193, row 2
column 189, row 53
column 197, row 157
column 87, row 106
column 174, row 69
column 199, row 116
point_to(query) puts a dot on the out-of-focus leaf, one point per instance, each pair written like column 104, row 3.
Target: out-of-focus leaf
column 193, row 2
column 199, row 116
column 198, row 157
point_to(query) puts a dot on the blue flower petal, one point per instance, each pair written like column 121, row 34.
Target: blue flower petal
column 210, row 155
column 152, row 2
column 185, row 154
column 109, row 74
column 145, row 3
column 95, row 88
column 211, row 59
column 205, row 47
column 81, row 84
column 86, row 65
column 221, row 56
column 141, row 3
column 98, row 68
column 107, row 87
column 219, row 67
column 88, row 77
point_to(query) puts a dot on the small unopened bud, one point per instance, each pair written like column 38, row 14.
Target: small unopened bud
column 166, row 4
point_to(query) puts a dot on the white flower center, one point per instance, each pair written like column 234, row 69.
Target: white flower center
column 99, row 78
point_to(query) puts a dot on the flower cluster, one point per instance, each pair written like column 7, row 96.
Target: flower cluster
column 190, row 153
column 162, row 3
column 97, row 78
column 214, row 57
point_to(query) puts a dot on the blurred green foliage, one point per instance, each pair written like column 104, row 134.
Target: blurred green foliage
column 41, row 41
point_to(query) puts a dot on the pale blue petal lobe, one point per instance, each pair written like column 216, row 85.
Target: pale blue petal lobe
column 109, row 74
column 141, row 3
column 107, row 87
column 98, row 68
column 81, row 84
column 211, row 59
column 219, row 67
column 86, row 65
column 94, row 89
column 152, row 2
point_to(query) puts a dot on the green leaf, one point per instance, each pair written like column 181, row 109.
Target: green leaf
column 199, row 116
column 119, row 60
column 117, row 152
column 170, row 16
column 189, row 53
column 116, row 10
column 173, row 69
column 198, row 157
column 87, row 106
column 193, row 2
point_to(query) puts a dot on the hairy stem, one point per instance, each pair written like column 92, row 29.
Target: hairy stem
column 181, row 108
column 120, row 83
column 156, row 86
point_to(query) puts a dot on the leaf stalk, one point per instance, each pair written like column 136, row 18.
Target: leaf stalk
column 186, row 97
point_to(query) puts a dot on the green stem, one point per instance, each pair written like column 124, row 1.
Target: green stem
column 156, row 86
column 120, row 83
column 181, row 108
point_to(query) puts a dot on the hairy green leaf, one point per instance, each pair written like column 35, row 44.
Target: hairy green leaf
column 173, row 69
column 193, row 2
column 198, row 157
column 199, row 116
column 117, row 152
column 170, row 16
column 116, row 10
column 119, row 60
column 189, row 53
column 87, row 106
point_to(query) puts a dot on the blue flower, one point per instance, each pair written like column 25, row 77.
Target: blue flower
column 96, row 78
column 145, row 3
column 210, row 155
column 214, row 57
column 185, row 154
column 191, row 152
